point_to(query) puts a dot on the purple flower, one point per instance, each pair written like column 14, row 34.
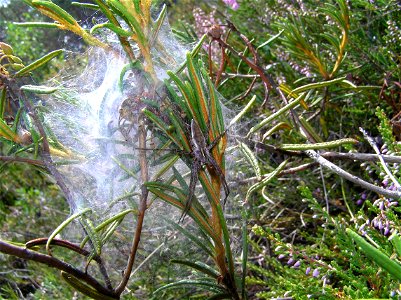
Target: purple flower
column 297, row 264
column 281, row 256
column 232, row 3
column 386, row 229
column 290, row 261
column 315, row 273
column 307, row 270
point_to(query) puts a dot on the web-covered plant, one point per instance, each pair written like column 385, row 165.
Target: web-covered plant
column 94, row 133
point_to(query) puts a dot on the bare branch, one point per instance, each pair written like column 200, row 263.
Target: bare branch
column 361, row 156
column 55, row 263
column 334, row 168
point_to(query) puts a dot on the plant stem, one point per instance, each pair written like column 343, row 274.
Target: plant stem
column 55, row 263
column 23, row 160
column 142, row 205
column 46, row 152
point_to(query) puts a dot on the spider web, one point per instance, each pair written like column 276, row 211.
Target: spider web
column 96, row 162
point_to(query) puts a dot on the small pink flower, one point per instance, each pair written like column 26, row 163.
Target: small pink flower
column 232, row 3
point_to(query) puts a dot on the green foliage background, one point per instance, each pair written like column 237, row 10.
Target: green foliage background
column 295, row 226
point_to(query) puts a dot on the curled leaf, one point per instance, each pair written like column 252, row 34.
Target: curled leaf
column 112, row 27
column 251, row 158
column 6, row 48
column 275, row 115
column 39, row 89
column 269, row 177
column 62, row 226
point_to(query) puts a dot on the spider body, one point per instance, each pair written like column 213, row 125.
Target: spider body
column 129, row 112
column 201, row 156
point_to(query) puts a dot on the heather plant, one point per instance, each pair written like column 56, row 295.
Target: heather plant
column 147, row 150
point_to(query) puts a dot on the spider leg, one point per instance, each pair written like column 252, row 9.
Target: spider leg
column 216, row 168
column 216, row 140
column 210, row 60
column 196, row 166
column 212, row 162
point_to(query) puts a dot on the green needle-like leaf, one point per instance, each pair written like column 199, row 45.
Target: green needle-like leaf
column 63, row 225
column 38, row 63
column 203, row 284
column 118, row 30
column 198, row 266
column 202, row 244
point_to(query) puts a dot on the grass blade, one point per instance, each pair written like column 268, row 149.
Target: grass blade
column 244, row 258
column 2, row 102
column 376, row 255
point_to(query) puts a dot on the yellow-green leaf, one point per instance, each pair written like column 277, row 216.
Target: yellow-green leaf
column 57, row 10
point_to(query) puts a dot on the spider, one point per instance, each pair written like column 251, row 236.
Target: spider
column 129, row 112
column 201, row 156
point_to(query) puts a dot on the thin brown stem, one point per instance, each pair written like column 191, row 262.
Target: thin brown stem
column 46, row 152
column 23, row 160
column 361, row 157
column 249, row 90
column 61, row 243
column 221, row 67
column 142, row 205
